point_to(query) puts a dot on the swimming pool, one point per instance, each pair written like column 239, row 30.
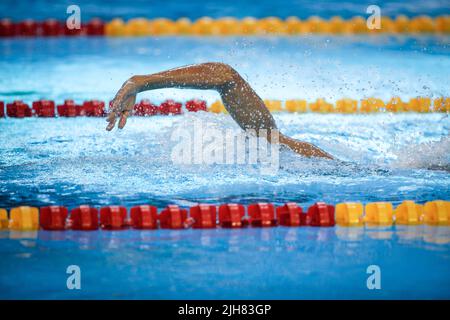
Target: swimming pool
column 76, row 161
column 383, row 157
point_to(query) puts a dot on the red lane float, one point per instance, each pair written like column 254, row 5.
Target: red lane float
column 262, row 215
column 2, row 109
column 68, row 109
column 196, row 105
column 145, row 108
column 52, row 28
column 231, row 215
column 27, row 28
column 7, row 28
column 204, row 215
column 49, row 28
column 290, row 215
column 172, row 217
column 113, row 217
column 320, row 214
column 170, row 107
column 18, row 109
column 74, row 32
column 84, row 218
column 96, row 108
column 144, row 217
column 95, row 27
column 93, row 108
column 44, row 108
column 53, row 217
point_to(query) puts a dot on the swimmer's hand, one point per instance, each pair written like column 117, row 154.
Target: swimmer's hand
column 122, row 105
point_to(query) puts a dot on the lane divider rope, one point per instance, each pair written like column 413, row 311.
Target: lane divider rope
column 230, row 215
column 96, row 108
column 226, row 26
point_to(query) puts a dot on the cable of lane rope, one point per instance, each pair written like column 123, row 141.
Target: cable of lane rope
column 229, row 215
column 96, row 108
column 227, row 26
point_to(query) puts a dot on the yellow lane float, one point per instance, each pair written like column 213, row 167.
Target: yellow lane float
column 321, row 106
column 349, row 214
column 419, row 104
column 115, row 28
column 371, row 105
column 229, row 26
column 346, row 106
column 4, row 222
column 408, row 213
column 296, row 105
column 379, row 213
column 24, row 218
column 437, row 212
column 217, row 107
column 273, row 105
column 442, row 105
column 395, row 105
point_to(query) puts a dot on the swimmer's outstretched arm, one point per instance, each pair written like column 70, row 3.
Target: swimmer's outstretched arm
column 240, row 100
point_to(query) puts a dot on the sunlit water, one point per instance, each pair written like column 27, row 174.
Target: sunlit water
column 383, row 157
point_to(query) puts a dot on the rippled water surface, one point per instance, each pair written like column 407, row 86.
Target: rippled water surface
column 75, row 161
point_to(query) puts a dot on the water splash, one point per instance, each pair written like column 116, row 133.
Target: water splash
column 432, row 154
column 74, row 161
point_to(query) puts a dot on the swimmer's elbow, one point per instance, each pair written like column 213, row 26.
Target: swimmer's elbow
column 223, row 71
column 220, row 67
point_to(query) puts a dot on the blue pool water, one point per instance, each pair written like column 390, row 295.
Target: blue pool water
column 382, row 157
column 42, row 9
column 278, row 263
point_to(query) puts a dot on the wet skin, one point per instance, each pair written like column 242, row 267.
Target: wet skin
column 240, row 100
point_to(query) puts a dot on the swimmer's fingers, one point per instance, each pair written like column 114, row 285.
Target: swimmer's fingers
column 123, row 119
column 117, row 108
column 113, row 114
column 112, row 121
column 117, row 104
column 128, row 106
column 121, row 106
column 129, row 103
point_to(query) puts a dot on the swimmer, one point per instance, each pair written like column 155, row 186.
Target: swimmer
column 240, row 100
